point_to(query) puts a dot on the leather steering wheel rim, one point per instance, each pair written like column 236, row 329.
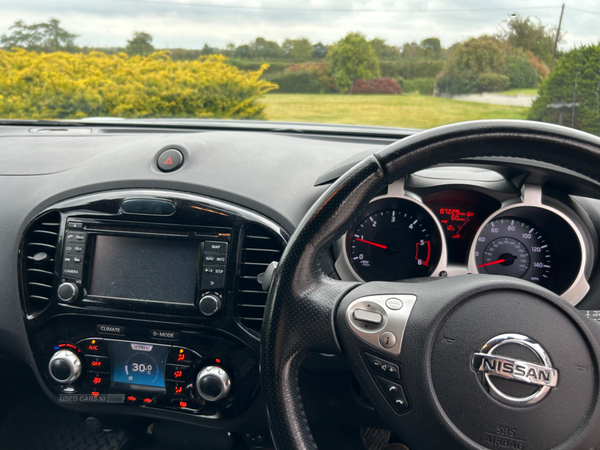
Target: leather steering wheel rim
column 300, row 314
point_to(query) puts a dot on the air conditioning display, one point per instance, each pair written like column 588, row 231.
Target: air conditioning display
column 138, row 366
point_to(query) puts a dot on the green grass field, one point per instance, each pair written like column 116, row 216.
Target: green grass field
column 410, row 111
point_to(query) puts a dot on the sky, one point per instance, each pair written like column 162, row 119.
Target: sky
column 192, row 23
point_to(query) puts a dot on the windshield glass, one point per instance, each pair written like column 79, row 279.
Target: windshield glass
column 385, row 63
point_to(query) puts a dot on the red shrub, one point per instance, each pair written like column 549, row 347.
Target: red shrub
column 377, row 86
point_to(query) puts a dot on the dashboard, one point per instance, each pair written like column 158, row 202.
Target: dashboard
column 408, row 233
column 131, row 290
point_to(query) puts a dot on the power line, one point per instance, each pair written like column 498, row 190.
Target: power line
column 268, row 8
column 583, row 10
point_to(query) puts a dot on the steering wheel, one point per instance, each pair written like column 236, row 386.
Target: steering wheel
column 466, row 362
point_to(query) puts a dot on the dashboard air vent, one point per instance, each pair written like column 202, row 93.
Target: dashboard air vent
column 259, row 248
column 39, row 253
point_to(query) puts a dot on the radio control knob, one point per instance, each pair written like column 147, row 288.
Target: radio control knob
column 64, row 367
column 68, row 292
column 210, row 304
column 213, row 383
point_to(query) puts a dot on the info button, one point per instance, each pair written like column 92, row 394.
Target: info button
column 111, row 329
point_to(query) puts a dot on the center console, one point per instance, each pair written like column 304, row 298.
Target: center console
column 136, row 300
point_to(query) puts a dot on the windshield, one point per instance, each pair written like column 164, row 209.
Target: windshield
column 385, row 63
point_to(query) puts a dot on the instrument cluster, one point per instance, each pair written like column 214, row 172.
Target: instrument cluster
column 452, row 232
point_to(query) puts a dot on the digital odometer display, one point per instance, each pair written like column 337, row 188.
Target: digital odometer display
column 515, row 248
column 138, row 366
column 396, row 242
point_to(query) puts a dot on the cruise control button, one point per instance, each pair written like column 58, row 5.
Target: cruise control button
column 215, row 247
column 387, row 339
column 367, row 316
column 383, row 367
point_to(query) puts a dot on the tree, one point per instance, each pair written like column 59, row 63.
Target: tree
column 319, row 51
column 264, row 49
column 140, row 44
column 353, row 58
column 530, row 34
column 383, row 51
column 432, row 47
column 482, row 54
column 574, row 79
column 298, row 50
column 45, row 36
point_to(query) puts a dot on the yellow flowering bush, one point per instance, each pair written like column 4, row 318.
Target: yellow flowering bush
column 65, row 85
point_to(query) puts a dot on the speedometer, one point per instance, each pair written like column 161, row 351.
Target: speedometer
column 398, row 241
column 515, row 248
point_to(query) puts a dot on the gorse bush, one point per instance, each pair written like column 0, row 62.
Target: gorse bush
column 63, row 85
column 574, row 79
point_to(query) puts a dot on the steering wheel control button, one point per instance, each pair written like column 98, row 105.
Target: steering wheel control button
column 368, row 316
column 394, row 393
column 387, row 339
column 388, row 333
column 494, row 362
column 382, row 367
column 68, row 292
column 170, row 160
column 394, row 304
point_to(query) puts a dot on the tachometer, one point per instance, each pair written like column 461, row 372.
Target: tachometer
column 394, row 243
column 515, row 248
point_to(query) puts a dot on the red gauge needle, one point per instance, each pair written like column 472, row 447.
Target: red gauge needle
column 493, row 262
column 372, row 243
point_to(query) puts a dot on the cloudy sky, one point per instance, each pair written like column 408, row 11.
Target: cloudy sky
column 192, row 23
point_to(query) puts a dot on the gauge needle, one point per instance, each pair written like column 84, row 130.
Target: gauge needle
column 499, row 261
column 372, row 243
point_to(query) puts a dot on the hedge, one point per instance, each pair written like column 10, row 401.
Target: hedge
column 423, row 86
column 575, row 79
column 521, row 72
column 409, row 69
column 253, row 66
column 376, row 86
column 493, row 82
column 64, row 85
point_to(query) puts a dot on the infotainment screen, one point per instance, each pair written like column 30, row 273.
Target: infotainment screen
column 133, row 268
column 138, row 366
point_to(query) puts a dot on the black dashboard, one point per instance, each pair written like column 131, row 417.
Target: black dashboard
column 131, row 289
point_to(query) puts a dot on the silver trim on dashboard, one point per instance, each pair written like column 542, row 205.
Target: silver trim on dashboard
column 531, row 196
column 395, row 190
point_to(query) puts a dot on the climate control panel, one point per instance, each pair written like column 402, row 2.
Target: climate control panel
column 131, row 366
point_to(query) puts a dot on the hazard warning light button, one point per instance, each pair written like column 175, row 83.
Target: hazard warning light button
column 170, row 160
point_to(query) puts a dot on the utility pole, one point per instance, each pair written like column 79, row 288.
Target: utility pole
column 562, row 10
